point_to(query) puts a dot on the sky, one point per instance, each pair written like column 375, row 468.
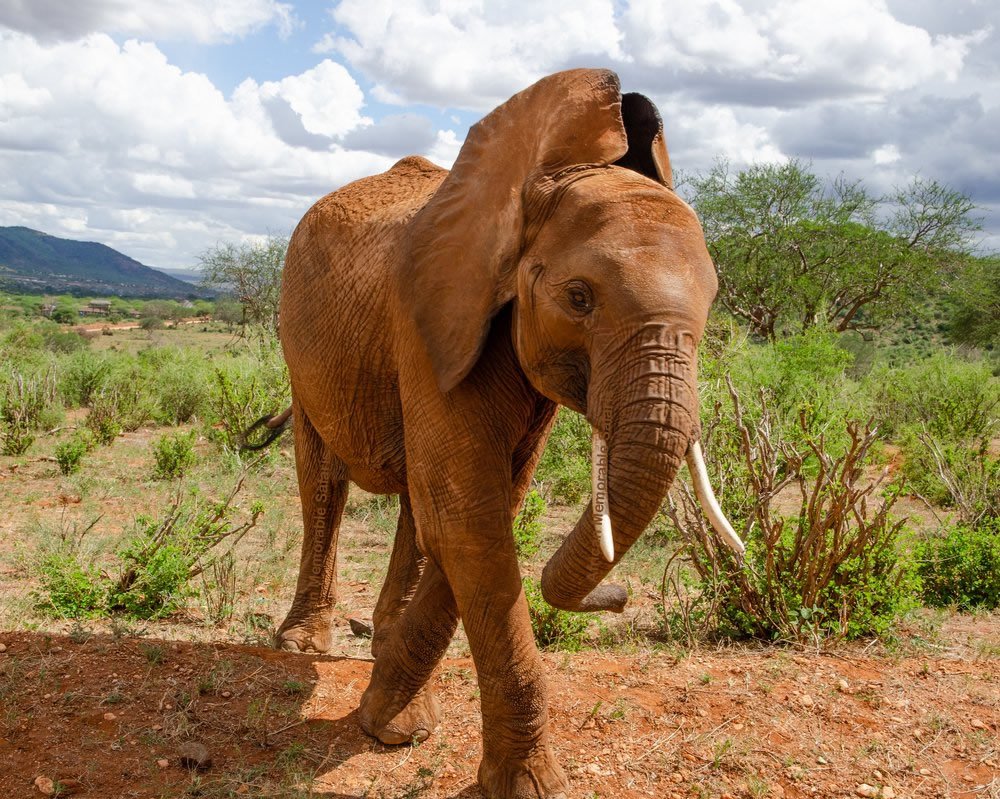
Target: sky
column 165, row 127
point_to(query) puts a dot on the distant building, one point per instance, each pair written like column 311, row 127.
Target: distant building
column 96, row 308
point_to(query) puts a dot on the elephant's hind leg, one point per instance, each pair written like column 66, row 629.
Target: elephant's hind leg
column 418, row 718
column 405, row 567
column 323, row 491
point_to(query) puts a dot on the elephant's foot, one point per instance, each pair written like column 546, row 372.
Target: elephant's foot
column 306, row 632
column 413, row 724
column 538, row 776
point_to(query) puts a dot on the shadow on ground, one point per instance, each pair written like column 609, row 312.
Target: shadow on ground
column 102, row 716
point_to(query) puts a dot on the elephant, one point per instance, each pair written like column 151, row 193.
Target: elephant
column 433, row 321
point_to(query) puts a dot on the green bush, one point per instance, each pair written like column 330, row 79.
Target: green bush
column 953, row 399
column 553, row 628
column 69, row 453
column 81, row 376
column 181, row 388
column 804, row 379
column 832, row 570
column 961, row 567
column 245, row 388
column 23, row 402
column 564, row 469
column 159, row 582
column 174, row 455
column 69, row 589
column 528, row 525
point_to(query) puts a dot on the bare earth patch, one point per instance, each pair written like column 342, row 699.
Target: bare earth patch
column 100, row 716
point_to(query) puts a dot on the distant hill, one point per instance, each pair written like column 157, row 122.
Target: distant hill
column 35, row 262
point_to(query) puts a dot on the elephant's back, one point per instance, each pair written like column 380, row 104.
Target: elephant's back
column 335, row 306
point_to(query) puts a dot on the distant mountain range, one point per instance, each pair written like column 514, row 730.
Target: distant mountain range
column 33, row 262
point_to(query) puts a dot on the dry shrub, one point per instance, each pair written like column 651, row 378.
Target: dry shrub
column 828, row 571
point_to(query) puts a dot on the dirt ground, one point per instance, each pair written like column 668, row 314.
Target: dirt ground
column 107, row 717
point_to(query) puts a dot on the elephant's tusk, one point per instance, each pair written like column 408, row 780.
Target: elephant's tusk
column 599, row 477
column 706, row 496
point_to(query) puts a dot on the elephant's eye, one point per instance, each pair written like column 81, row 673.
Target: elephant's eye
column 580, row 295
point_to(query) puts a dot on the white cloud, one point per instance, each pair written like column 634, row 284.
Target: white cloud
column 886, row 154
column 469, row 55
column 117, row 141
column 200, row 20
column 326, row 97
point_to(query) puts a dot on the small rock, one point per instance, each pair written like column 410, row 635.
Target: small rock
column 243, row 788
column 226, row 694
column 361, row 628
column 156, row 728
column 821, row 760
column 3, row 648
column 842, row 686
column 777, row 791
column 162, row 762
column 978, row 725
column 702, row 712
column 805, row 700
column 194, row 755
column 796, row 772
column 45, row 785
column 676, row 778
column 888, row 792
column 864, row 789
column 878, row 775
column 110, row 717
column 925, row 772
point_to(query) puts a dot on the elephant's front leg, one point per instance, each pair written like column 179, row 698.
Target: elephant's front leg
column 481, row 580
column 323, row 492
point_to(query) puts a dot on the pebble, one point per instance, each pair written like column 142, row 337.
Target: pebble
column 226, row 694
column 821, row 760
column 3, row 648
column 156, row 728
column 805, row 700
column 864, row 789
column 925, row 772
column 842, row 686
column 888, row 792
column 45, row 785
column 110, row 717
column 194, row 755
column 977, row 724
column 162, row 762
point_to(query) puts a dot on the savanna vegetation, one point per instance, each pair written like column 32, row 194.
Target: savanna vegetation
column 850, row 407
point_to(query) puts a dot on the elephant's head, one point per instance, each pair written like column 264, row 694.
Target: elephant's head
column 561, row 202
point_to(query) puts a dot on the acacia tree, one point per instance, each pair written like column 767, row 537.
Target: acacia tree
column 975, row 298
column 251, row 271
column 792, row 253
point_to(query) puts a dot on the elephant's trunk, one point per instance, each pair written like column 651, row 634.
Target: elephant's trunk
column 648, row 432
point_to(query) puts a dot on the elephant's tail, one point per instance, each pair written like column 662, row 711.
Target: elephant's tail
column 276, row 425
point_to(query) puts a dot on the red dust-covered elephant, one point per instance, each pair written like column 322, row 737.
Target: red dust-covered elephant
column 432, row 322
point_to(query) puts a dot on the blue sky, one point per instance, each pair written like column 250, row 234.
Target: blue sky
column 163, row 128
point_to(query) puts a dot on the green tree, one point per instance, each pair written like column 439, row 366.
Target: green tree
column 66, row 312
column 792, row 253
column 252, row 273
column 975, row 296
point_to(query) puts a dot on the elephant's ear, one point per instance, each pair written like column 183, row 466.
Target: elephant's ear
column 647, row 146
column 465, row 242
